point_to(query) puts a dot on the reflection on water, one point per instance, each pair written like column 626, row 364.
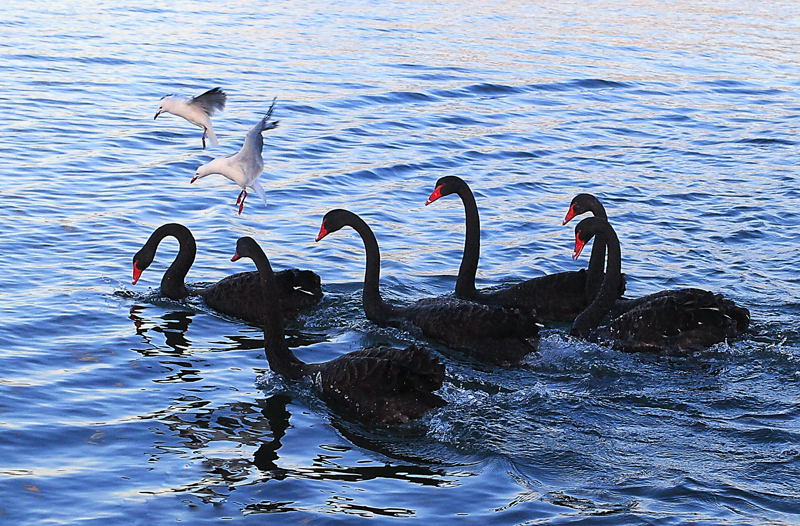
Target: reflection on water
column 274, row 410
column 173, row 326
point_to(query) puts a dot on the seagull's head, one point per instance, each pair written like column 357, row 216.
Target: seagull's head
column 164, row 105
column 204, row 170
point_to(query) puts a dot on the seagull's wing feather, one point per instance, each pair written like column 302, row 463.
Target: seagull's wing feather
column 254, row 142
column 210, row 101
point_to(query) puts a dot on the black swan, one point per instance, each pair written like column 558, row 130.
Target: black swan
column 500, row 335
column 237, row 295
column 670, row 321
column 555, row 297
column 581, row 204
column 373, row 385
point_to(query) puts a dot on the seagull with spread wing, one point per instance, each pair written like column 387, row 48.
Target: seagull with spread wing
column 197, row 110
column 245, row 166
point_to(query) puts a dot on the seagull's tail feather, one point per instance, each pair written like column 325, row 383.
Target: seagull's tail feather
column 212, row 137
column 260, row 191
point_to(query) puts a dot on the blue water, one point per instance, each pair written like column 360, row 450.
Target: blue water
column 118, row 406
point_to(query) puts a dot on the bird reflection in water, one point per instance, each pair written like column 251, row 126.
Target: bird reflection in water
column 274, row 409
column 324, row 466
column 172, row 324
column 254, row 339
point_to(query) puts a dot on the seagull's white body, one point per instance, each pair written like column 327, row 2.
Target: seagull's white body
column 197, row 110
column 245, row 166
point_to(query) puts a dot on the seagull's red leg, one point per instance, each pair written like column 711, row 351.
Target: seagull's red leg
column 239, row 199
column 204, row 137
column 241, row 205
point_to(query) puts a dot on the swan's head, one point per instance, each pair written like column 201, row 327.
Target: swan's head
column 583, row 203
column 246, row 247
column 335, row 220
column 446, row 185
column 165, row 105
column 141, row 260
column 586, row 230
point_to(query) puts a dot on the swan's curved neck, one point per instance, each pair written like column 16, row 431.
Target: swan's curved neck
column 465, row 284
column 594, row 273
column 172, row 284
column 281, row 359
column 591, row 317
column 374, row 306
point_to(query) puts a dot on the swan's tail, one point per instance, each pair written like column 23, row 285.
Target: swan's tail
column 212, row 137
column 260, row 191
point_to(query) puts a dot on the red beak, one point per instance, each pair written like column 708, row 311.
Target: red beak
column 136, row 272
column 579, row 244
column 235, row 257
column 436, row 194
column 570, row 214
column 193, row 179
column 322, row 232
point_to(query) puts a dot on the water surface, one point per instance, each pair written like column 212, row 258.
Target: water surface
column 119, row 406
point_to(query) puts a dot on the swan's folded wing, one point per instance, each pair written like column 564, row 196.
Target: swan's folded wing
column 469, row 319
column 384, row 370
column 554, row 297
column 488, row 333
column 674, row 321
column 382, row 385
column 239, row 295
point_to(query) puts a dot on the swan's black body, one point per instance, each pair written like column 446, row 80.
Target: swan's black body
column 377, row 385
column 670, row 321
column 496, row 334
column 238, row 295
column 555, row 297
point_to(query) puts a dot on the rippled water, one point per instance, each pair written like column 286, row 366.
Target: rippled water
column 120, row 406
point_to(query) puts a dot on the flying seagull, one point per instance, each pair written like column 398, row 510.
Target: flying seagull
column 197, row 110
column 244, row 166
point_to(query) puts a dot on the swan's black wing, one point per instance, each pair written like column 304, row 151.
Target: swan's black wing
column 239, row 295
column 381, row 384
column 558, row 297
column 675, row 321
column 555, row 297
column 492, row 333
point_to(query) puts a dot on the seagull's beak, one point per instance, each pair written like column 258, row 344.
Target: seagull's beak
column 193, row 179
column 157, row 114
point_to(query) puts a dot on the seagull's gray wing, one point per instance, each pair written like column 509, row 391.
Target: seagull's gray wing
column 210, row 101
column 254, row 142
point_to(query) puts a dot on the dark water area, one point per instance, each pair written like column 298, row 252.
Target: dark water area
column 120, row 406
